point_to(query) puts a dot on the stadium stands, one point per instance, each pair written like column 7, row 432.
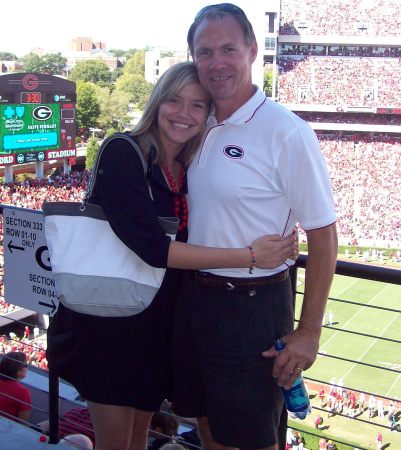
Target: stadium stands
column 339, row 17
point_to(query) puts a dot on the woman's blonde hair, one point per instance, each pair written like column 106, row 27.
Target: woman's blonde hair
column 147, row 130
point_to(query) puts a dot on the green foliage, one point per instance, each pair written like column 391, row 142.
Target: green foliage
column 92, row 71
column 54, row 63
column 7, row 56
column 136, row 64
column 88, row 108
column 33, row 63
column 132, row 81
column 91, row 152
column 268, row 82
column 113, row 108
column 118, row 52
column 116, row 73
column 51, row 63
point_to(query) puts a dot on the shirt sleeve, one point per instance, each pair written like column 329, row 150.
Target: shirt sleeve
column 24, row 397
column 306, row 180
column 122, row 190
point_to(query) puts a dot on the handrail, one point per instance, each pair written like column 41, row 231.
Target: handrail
column 351, row 269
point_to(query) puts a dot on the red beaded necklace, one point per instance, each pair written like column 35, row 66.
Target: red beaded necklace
column 180, row 201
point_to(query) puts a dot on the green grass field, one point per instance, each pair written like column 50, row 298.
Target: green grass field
column 385, row 354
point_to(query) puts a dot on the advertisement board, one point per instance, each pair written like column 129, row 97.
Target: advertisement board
column 37, row 118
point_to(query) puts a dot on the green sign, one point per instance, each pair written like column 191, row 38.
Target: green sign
column 28, row 127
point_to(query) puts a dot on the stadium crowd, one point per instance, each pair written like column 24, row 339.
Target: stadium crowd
column 339, row 50
column 339, row 17
column 367, row 186
column 34, row 349
column 351, row 118
column 339, row 81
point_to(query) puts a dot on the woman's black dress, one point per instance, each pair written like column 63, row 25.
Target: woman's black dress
column 124, row 361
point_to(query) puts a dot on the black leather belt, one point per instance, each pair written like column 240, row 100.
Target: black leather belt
column 216, row 281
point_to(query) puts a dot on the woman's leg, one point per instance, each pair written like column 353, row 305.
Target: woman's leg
column 139, row 436
column 119, row 427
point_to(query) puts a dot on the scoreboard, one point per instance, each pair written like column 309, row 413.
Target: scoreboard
column 37, row 118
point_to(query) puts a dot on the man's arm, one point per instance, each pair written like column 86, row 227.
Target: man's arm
column 302, row 344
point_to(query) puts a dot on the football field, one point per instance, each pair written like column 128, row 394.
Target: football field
column 386, row 354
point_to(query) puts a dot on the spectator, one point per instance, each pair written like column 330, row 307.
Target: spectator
column 15, row 399
column 379, row 441
column 78, row 441
column 76, row 422
column 163, row 423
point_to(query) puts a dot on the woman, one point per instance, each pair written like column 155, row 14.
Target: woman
column 15, row 399
column 122, row 365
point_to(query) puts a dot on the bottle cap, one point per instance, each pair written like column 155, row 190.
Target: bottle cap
column 279, row 345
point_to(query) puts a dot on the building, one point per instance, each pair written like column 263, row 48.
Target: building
column 157, row 61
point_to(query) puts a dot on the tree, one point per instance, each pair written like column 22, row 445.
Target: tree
column 54, row 63
column 137, row 88
column 7, row 56
column 132, row 80
column 33, row 63
column 51, row 63
column 88, row 108
column 91, row 152
column 135, row 65
column 92, row 71
column 113, row 107
column 268, row 83
column 118, row 52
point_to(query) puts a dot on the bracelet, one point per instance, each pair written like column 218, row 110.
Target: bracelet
column 253, row 259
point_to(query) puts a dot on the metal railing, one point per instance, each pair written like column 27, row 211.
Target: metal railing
column 348, row 269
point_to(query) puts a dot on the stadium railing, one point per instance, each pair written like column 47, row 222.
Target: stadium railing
column 349, row 269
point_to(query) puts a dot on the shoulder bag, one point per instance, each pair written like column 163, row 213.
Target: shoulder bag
column 94, row 271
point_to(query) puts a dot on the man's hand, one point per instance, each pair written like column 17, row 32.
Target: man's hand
column 301, row 347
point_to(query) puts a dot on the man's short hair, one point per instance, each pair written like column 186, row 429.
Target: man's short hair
column 221, row 10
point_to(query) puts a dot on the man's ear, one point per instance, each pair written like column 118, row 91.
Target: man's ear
column 253, row 51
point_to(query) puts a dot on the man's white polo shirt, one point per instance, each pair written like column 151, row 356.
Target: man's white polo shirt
column 259, row 172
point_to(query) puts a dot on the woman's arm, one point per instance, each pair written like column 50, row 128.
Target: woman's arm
column 270, row 251
column 125, row 199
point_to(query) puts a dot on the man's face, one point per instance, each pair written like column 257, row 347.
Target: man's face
column 224, row 61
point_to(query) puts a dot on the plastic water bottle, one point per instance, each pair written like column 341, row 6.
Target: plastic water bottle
column 296, row 398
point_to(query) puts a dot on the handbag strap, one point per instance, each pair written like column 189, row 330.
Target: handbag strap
column 104, row 144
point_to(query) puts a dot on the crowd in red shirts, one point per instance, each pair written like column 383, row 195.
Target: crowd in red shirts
column 350, row 18
column 34, row 349
column 339, row 81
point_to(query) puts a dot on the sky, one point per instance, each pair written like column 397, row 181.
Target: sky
column 123, row 24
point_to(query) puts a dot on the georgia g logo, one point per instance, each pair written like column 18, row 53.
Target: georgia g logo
column 233, row 151
column 42, row 112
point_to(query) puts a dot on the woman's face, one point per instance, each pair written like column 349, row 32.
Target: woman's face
column 183, row 117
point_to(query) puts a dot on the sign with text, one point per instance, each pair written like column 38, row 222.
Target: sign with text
column 28, row 279
column 37, row 116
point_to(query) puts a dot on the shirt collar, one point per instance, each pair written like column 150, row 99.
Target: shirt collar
column 244, row 113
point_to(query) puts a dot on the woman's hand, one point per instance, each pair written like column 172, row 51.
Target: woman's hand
column 273, row 250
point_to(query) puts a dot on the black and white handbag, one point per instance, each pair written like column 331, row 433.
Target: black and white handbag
column 94, row 271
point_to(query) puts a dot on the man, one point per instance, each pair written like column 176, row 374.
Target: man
column 259, row 170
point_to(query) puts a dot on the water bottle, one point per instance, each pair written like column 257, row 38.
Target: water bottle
column 296, row 398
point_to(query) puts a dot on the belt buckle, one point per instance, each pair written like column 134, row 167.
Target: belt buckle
column 229, row 286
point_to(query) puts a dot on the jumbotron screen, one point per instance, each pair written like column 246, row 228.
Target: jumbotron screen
column 29, row 127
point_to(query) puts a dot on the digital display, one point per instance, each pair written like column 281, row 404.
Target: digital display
column 28, row 127
column 31, row 97
column 37, row 118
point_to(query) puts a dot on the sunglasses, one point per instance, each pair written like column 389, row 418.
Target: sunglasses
column 221, row 7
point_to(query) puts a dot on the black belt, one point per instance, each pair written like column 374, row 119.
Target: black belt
column 216, row 281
